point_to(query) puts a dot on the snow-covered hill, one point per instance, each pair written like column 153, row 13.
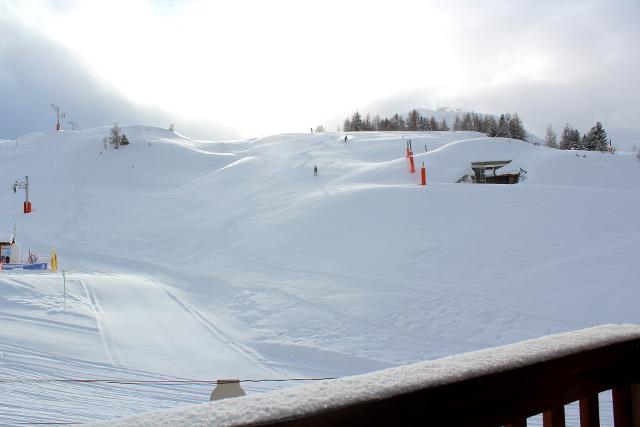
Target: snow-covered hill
column 207, row 260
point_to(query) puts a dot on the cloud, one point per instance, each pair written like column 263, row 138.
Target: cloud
column 553, row 62
column 35, row 72
column 264, row 67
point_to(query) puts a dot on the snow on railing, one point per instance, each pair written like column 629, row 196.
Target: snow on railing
column 493, row 387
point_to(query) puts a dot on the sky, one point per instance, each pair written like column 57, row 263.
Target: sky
column 248, row 68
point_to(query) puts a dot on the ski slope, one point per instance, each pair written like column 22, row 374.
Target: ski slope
column 190, row 259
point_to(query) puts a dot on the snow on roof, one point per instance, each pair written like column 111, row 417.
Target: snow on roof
column 6, row 238
column 489, row 164
column 346, row 391
column 510, row 169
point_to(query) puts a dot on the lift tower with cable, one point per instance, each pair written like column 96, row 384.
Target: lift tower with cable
column 24, row 185
column 59, row 116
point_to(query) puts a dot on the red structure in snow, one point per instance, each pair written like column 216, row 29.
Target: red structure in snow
column 412, row 166
column 24, row 185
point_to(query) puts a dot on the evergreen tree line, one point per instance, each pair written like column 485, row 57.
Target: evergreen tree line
column 593, row 140
column 414, row 122
column 507, row 125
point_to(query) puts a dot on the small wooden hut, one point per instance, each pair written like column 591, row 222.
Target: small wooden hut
column 489, row 172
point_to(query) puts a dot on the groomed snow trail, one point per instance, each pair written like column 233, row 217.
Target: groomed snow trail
column 145, row 324
column 114, row 327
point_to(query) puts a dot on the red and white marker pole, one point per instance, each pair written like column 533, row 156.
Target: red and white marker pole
column 423, row 175
column 24, row 185
column 27, row 203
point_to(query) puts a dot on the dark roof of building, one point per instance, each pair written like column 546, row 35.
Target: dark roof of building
column 493, row 163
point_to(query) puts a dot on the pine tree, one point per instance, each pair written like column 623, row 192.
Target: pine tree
column 502, row 130
column 477, row 122
column 356, row 122
column 467, row 123
column 490, row 125
column 433, row 124
column 384, row 124
column 516, row 128
column 443, row 125
column 397, row 122
column 368, row 124
column 457, row 124
column 393, row 122
column 596, row 139
column 124, row 140
column 583, row 143
column 550, row 138
column 402, row 125
column 115, row 137
column 587, row 142
column 565, row 138
column 576, row 142
column 413, row 120
column 346, row 126
column 423, row 124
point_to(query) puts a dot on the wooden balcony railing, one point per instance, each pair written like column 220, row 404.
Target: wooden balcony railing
column 502, row 386
column 507, row 397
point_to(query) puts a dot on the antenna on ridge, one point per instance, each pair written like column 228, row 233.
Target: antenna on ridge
column 74, row 125
column 59, row 116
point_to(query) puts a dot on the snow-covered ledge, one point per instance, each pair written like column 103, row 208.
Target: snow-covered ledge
column 602, row 354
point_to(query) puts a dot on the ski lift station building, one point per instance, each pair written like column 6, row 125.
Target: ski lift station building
column 9, row 250
column 490, row 172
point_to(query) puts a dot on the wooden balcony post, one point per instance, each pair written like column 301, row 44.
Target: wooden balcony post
column 553, row 417
column 635, row 404
column 589, row 411
column 626, row 405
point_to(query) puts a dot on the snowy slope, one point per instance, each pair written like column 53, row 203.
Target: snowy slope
column 207, row 260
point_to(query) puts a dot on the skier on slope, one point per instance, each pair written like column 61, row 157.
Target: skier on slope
column 315, row 170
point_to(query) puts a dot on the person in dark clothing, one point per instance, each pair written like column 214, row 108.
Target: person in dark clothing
column 315, row 170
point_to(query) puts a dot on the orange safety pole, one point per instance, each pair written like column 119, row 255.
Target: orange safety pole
column 423, row 174
column 412, row 167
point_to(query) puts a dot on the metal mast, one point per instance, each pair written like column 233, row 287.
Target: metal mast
column 59, row 115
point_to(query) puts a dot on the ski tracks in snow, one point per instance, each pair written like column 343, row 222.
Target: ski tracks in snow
column 499, row 304
column 148, row 326
column 107, row 341
column 217, row 333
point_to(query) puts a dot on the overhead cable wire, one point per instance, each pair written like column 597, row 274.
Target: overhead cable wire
column 126, row 381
